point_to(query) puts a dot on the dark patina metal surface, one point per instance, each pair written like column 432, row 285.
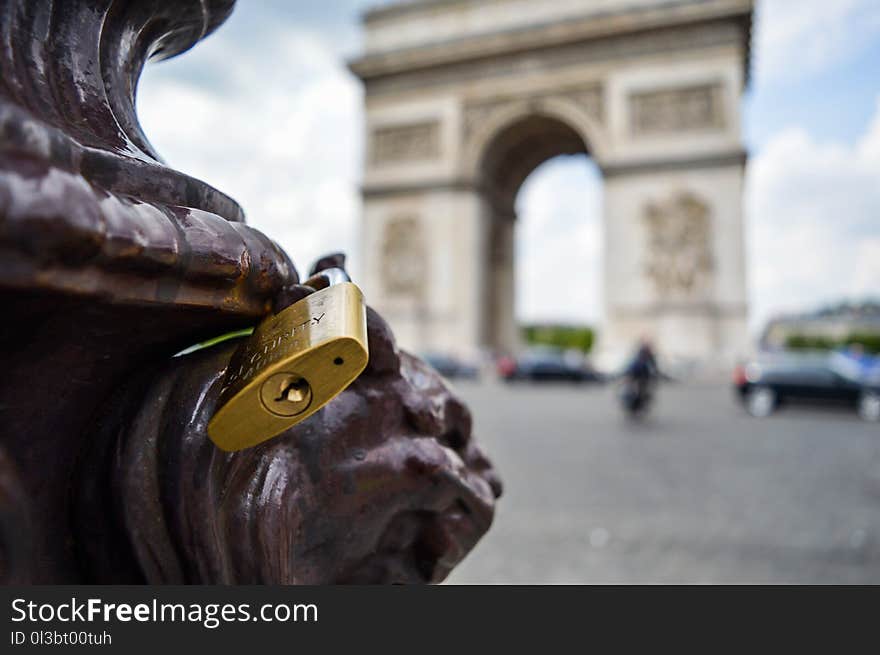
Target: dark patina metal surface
column 110, row 262
column 383, row 485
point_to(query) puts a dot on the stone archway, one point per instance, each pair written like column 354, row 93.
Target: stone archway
column 464, row 99
column 515, row 150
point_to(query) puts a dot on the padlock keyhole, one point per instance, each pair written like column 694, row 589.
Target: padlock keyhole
column 295, row 391
column 286, row 394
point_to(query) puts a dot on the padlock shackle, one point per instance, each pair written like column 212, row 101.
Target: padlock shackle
column 327, row 278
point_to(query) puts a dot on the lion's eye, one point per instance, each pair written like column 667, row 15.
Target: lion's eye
column 454, row 439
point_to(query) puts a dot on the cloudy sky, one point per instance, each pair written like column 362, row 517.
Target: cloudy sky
column 266, row 110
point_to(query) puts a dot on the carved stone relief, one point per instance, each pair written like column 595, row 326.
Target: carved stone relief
column 677, row 110
column 403, row 258
column 679, row 251
column 588, row 98
column 405, row 143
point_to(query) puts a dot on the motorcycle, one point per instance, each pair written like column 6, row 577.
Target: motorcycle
column 636, row 397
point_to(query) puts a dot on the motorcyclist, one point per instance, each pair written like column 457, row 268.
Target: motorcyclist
column 639, row 377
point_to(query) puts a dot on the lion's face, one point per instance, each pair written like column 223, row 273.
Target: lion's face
column 383, row 485
column 401, row 493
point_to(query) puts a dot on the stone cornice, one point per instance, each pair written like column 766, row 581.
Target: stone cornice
column 597, row 26
column 389, row 190
column 716, row 160
column 681, row 307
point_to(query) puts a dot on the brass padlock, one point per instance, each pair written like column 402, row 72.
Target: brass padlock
column 293, row 364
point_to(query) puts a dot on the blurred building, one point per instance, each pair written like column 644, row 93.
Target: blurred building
column 465, row 98
column 834, row 324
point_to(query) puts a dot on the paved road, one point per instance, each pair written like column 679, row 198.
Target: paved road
column 699, row 493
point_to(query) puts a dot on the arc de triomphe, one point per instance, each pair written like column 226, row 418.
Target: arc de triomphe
column 465, row 98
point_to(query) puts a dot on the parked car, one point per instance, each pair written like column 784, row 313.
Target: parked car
column 451, row 367
column 545, row 365
column 772, row 380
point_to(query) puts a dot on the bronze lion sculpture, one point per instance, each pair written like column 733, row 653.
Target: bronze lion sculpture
column 383, row 485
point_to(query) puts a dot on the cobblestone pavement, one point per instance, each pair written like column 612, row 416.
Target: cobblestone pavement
column 698, row 493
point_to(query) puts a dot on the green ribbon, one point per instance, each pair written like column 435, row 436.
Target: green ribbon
column 229, row 336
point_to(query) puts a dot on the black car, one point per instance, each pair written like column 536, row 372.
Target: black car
column 546, row 365
column 450, row 367
column 772, row 380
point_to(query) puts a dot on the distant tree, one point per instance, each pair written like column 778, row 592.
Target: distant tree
column 567, row 337
column 869, row 341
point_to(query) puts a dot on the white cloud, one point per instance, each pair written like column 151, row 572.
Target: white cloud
column 558, row 244
column 814, row 219
column 797, row 38
column 279, row 130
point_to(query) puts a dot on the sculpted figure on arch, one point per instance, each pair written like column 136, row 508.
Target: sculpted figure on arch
column 111, row 263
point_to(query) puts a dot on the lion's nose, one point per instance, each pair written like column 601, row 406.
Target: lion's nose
column 457, row 424
column 459, row 436
column 494, row 482
column 477, row 460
